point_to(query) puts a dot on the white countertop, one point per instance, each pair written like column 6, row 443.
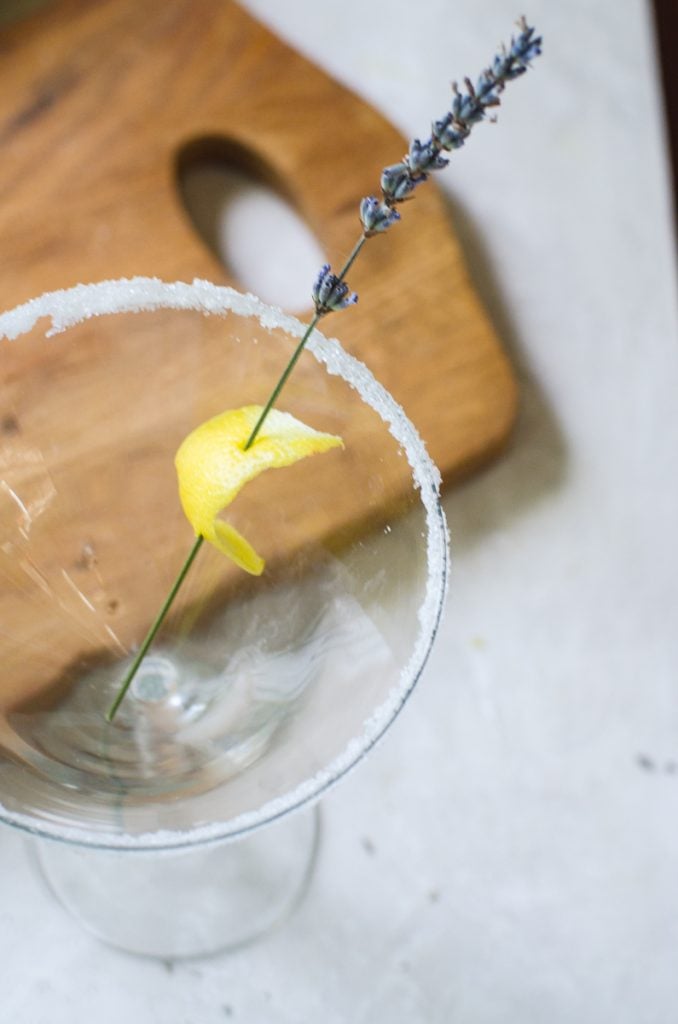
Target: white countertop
column 509, row 853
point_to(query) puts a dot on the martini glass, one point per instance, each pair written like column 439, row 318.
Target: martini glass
column 170, row 829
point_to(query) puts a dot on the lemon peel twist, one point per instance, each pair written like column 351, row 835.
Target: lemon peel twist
column 213, row 465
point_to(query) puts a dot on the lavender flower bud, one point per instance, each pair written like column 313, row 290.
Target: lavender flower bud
column 450, row 133
column 487, row 89
column 501, row 65
column 397, row 183
column 329, row 293
column 524, row 48
column 467, row 107
column 424, row 157
column 376, row 216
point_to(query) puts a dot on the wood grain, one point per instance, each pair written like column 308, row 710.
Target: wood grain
column 99, row 104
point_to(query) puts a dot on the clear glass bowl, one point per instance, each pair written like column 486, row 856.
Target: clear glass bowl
column 258, row 693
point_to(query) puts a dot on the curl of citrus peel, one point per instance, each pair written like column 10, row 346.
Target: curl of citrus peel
column 212, row 466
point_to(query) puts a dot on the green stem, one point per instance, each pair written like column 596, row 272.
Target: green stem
column 281, row 383
column 350, row 261
column 183, row 572
column 151, row 635
column 273, row 397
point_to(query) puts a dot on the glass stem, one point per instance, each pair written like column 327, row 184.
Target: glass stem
column 183, row 572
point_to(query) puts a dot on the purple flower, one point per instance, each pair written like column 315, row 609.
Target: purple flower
column 424, row 157
column 488, row 88
column 450, row 133
column 468, row 108
column 330, row 293
column 376, row 216
column 398, row 183
column 523, row 49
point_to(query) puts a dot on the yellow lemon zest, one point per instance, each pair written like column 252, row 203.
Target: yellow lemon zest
column 212, row 466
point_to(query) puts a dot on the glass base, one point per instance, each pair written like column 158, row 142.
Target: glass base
column 186, row 903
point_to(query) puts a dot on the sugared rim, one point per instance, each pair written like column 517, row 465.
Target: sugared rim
column 67, row 307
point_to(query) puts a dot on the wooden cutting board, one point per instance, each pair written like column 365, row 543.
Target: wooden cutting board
column 102, row 102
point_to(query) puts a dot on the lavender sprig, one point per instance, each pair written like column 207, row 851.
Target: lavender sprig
column 330, row 291
column 399, row 181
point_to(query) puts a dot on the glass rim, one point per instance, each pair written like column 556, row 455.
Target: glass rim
column 67, row 307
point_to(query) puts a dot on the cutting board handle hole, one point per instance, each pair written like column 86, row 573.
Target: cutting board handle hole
column 242, row 215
